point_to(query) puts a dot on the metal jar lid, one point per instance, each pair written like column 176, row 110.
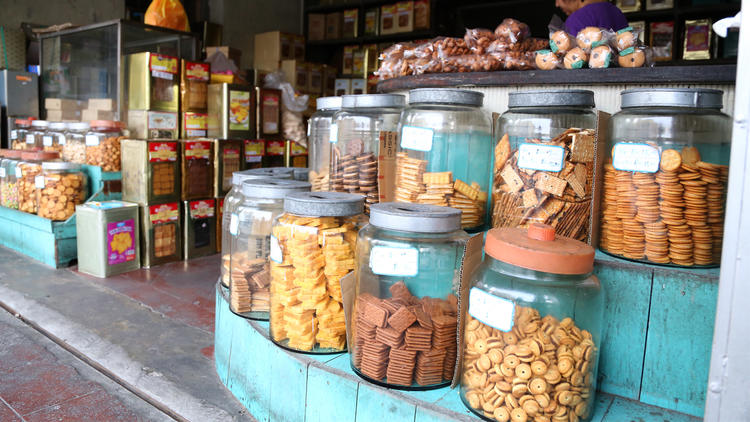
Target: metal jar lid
column 39, row 123
column 552, row 98
column 273, row 188
column 673, row 97
column 328, row 103
column 78, row 126
column 373, row 101
column 416, row 218
column 446, row 96
column 58, row 125
column 60, row 165
column 301, row 173
column 324, row 204
column 284, row 173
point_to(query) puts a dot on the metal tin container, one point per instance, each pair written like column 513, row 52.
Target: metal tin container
column 199, row 228
column 161, row 235
column 227, row 160
column 194, row 125
column 153, row 82
column 149, row 124
column 150, row 171
column 194, row 79
column 197, row 169
column 231, row 111
column 108, row 238
column 255, row 149
column 268, row 118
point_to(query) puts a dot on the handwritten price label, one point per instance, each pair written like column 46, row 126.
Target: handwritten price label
column 497, row 312
column 642, row 158
column 541, row 157
column 399, row 262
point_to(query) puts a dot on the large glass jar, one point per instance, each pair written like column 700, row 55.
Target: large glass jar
column 26, row 172
column 445, row 154
column 74, row 148
column 312, row 248
column 54, row 139
column 232, row 200
column 405, row 314
column 103, row 144
column 318, row 141
column 262, row 201
column 35, row 135
column 665, row 181
column 18, row 134
column 59, row 188
column 533, row 328
column 9, row 183
column 545, row 162
column 365, row 125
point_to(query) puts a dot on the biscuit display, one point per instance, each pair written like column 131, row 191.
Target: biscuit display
column 27, row 201
column 542, row 369
column 560, row 197
column 59, row 193
column 163, row 179
column 601, row 57
column 320, row 181
column 104, row 153
column 561, row 42
column 355, row 172
column 547, row 60
column 249, row 287
column 164, row 240
column 576, row 58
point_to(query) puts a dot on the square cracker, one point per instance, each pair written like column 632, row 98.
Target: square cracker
column 551, row 184
column 512, row 179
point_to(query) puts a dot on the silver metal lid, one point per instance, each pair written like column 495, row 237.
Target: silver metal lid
column 285, row 173
column 324, row 204
column 301, row 173
column 78, row 126
column 552, row 98
column 373, row 101
column 416, row 218
column 273, row 188
column 39, row 123
column 60, row 165
column 58, row 125
column 673, row 97
column 328, row 103
column 446, row 96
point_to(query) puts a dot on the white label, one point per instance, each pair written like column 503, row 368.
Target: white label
column 254, row 159
column 29, row 139
column 308, row 129
column 628, row 156
column 541, row 157
column 234, row 224
column 166, row 121
column 13, row 134
column 275, row 254
column 497, row 312
column 416, row 138
column 19, row 173
column 92, row 140
column 334, row 135
column 39, row 182
column 2, row 171
column 61, row 139
column 400, row 262
column 161, row 75
column 47, row 141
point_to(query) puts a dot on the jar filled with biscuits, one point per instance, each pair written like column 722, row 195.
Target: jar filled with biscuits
column 26, row 172
column 103, row 144
column 250, row 238
column 232, row 201
column 665, row 181
column 405, row 313
column 9, row 181
column 311, row 249
column 35, row 135
column 74, row 147
column 366, row 129
column 59, row 188
column 545, row 162
column 54, row 139
column 532, row 329
column 17, row 136
column 319, row 141
column 445, row 153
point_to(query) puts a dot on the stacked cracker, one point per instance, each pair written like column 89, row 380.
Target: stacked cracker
column 414, row 185
column 319, row 180
column 404, row 340
column 356, row 172
column 306, row 301
column 248, row 289
column 561, row 199
column 673, row 216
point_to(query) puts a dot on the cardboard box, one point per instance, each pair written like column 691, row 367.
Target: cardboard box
column 316, row 26
column 333, row 26
column 107, row 104
column 421, row 14
column 296, row 73
column 343, row 87
column 372, row 22
column 60, row 104
column 315, row 80
column 60, row 115
column 299, row 47
column 232, row 53
column 359, row 86
column 371, row 57
column 350, row 23
column 405, row 16
column 271, row 48
column 359, row 62
column 388, row 19
column 89, row 115
column 347, row 66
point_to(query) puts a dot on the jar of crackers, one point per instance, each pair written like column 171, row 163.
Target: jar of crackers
column 545, row 161
column 35, row 135
column 74, row 148
column 311, row 250
column 26, row 172
column 103, row 144
column 445, row 154
column 405, row 314
column 59, row 188
column 232, row 201
column 54, row 139
column 9, row 181
column 250, row 240
column 532, row 329
column 366, row 130
column 318, row 141
column 17, row 135
column 665, row 181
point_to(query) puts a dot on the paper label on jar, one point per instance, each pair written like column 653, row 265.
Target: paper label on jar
column 164, row 213
column 13, row 134
column 197, row 150
column 541, row 157
column 61, row 139
column 275, row 255
column 497, row 312
column 39, row 181
column 399, row 262
column 19, row 172
column 120, row 241
column 29, row 139
column 162, row 151
column 234, row 224
column 333, row 137
column 627, row 156
column 416, row 138
column 2, row 171
column 203, row 208
column 47, row 140
column 92, row 140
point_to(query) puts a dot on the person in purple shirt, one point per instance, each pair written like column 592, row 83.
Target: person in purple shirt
column 583, row 13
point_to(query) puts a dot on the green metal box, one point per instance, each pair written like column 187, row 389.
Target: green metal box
column 107, row 238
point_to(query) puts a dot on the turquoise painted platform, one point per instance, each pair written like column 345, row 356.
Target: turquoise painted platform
column 654, row 362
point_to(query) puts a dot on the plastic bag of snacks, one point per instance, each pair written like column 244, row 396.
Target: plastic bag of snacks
column 512, row 30
column 547, row 60
column 561, row 42
column 479, row 39
column 591, row 37
column 601, row 57
column 576, row 58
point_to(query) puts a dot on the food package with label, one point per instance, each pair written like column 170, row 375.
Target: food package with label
column 150, row 171
column 108, row 238
column 199, row 228
column 161, row 234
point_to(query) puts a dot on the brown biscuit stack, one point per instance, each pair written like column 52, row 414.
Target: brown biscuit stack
column 162, row 178
column 356, row 172
column 165, row 243
column 248, row 290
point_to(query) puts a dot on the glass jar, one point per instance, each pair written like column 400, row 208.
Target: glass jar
column 59, row 188
column 74, row 148
column 312, row 248
column 445, row 154
column 364, row 125
column 18, row 134
column 318, row 141
column 103, row 144
column 3, row 163
column 405, row 315
column 665, row 181
column 263, row 201
column 54, row 139
column 232, row 200
column 532, row 327
column 545, row 161
column 35, row 135
column 26, row 172
column 9, row 183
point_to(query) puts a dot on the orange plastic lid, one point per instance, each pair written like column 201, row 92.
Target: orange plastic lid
column 13, row 153
column 39, row 155
column 24, row 122
column 105, row 124
column 538, row 248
